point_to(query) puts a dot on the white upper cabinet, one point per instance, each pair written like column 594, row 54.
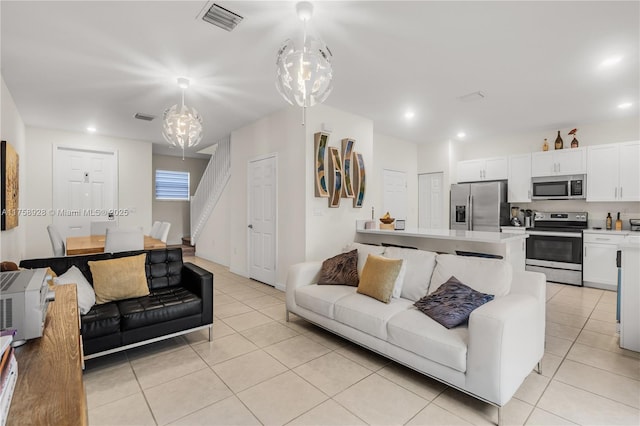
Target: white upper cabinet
column 613, row 172
column 571, row 161
column 519, row 185
column 483, row 169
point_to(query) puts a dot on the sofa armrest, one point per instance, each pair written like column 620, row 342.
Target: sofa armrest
column 301, row 274
column 504, row 345
column 199, row 281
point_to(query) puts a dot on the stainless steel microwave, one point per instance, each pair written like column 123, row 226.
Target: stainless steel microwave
column 559, row 187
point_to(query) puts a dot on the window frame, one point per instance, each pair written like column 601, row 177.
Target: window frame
column 177, row 174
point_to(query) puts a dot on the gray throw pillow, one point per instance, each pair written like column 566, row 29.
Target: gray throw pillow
column 452, row 303
column 341, row 269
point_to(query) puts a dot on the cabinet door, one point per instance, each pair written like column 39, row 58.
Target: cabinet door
column 470, row 171
column 602, row 175
column 571, row 161
column 599, row 263
column 543, row 164
column 629, row 171
column 496, row 168
column 519, row 187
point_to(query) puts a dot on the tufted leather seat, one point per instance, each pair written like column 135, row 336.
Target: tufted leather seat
column 159, row 306
column 100, row 321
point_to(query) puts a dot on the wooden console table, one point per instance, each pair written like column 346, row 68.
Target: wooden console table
column 50, row 390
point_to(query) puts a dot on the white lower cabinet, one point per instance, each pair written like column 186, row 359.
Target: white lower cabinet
column 599, row 260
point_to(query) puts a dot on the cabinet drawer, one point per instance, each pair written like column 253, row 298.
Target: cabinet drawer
column 603, row 238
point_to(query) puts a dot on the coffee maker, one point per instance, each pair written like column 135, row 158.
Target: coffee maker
column 515, row 220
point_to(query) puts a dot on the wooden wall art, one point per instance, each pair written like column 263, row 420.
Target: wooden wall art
column 320, row 141
column 347, row 159
column 359, row 179
column 335, row 177
column 10, row 187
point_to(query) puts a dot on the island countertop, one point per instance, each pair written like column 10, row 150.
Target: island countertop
column 448, row 234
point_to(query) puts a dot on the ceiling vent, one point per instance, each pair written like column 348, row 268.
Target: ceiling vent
column 471, row 97
column 221, row 17
column 145, row 117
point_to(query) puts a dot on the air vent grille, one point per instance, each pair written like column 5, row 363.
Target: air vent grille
column 6, row 313
column 221, row 17
column 145, row 117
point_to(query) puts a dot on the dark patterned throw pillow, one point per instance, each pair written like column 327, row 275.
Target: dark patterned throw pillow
column 452, row 303
column 341, row 269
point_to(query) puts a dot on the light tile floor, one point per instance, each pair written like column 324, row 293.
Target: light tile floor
column 262, row 370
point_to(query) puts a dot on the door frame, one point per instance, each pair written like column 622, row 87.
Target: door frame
column 57, row 147
column 273, row 155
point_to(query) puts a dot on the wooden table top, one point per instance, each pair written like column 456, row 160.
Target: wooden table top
column 95, row 244
column 50, row 390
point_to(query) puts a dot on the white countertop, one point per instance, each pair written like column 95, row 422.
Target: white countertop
column 610, row 232
column 448, row 234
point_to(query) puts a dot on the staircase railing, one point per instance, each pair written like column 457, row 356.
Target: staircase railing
column 210, row 188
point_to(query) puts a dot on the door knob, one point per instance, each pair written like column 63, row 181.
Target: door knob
column 250, row 226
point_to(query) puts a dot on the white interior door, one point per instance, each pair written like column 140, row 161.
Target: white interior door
column 84, row 189
column 394, row 199
column 262, row 219
column 431, row 201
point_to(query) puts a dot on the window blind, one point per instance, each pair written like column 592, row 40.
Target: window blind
column 171, row 185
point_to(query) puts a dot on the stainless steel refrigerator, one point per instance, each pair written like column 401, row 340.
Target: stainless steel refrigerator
column 480, row 206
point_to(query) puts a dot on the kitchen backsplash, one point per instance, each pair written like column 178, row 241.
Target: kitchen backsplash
column 597, row 211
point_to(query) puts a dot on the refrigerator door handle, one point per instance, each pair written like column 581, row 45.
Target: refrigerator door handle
column 470, row 221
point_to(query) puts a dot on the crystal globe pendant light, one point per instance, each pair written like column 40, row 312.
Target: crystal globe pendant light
column 304, row 73
column 182, row 125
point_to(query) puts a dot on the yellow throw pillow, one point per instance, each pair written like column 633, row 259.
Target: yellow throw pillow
column 379, row 277
column 117, row 279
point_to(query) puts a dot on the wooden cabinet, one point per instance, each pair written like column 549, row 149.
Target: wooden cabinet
column 599, row 260
column 561, row 162
column 495, row 168
column 613, row 173
column 519, row 185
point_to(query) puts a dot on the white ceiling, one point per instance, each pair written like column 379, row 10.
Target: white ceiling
column 72, row 64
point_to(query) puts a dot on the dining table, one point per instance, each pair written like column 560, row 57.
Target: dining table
column 90, row 244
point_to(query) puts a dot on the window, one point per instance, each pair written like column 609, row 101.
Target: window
column 172, row 185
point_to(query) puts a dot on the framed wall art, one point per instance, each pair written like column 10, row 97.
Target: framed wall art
column 10, row 186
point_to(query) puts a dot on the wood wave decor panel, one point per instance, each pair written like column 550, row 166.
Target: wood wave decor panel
column 359, row 179
column 347, row 159
column 320, row 141
column 335, row 177
column 10, row 188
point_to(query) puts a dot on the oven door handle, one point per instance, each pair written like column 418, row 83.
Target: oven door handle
column 556, row 234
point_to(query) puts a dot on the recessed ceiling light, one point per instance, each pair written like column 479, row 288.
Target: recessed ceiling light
column 91, row 129
column 461, row 135
column 625, row 105
column 611, row 61
column 409, row 115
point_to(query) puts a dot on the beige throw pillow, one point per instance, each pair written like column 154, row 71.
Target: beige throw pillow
column 117, row 279
column 379, row 277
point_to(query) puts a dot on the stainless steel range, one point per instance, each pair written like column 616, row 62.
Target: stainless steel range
column 554, row 246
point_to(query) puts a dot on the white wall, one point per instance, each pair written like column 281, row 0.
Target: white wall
column 176, row 212
column 395, row 154
column 134, row 180
column 328, row 230
column 214, row 243
column 13, row 241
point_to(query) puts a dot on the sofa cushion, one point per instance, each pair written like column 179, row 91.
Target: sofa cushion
column 379, row 277
column 101, row 320
column 452, row 303
column 419, row 267
column 86, row 295
column 363, row 251
column 118, row 279
column 159, row 306
column 491, row 276
column 341, row 269
column 416, row 332
column 320, row 298
column 367, row 314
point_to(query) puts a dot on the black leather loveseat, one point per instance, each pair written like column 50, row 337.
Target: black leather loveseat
column 180, row 300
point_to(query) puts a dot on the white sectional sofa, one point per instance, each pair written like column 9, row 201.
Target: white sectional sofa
column 487, row 358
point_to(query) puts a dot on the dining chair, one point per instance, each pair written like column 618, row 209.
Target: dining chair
column 164, row 231
column 57, row 243
column 155, row 229
column 123, row 239
column 100, row 227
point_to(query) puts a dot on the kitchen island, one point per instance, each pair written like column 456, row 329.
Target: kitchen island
column 511, row 247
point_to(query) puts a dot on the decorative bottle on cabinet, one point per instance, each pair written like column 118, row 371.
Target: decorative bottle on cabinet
column 545, row 145
column 609, row 220
column 559, row 141
column 618, row 223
